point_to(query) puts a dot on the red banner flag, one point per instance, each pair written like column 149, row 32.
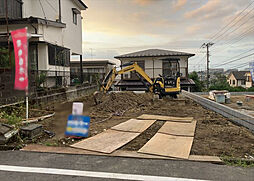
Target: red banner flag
column 19, row 38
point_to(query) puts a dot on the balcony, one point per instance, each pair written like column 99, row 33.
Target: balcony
column 14, row 9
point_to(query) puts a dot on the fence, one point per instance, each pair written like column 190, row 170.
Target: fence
column 39, row 83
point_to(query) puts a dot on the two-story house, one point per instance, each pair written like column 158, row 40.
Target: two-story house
column 55, row 27
column 92, row 69
column 156, row 62
column 240, row 79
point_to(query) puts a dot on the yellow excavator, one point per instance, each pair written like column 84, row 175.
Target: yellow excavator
column 161, row 85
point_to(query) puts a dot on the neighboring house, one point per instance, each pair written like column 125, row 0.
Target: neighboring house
column 92, row 69
column 56, row 34
column 227, row 72
column 239, row 78
column 155, row 62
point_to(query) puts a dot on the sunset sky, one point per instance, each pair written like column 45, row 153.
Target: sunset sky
column 113, row 27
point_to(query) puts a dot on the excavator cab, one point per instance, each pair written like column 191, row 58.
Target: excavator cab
column 167, row 85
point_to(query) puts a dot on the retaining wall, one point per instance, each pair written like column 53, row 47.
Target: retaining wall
column 234, row 115
column 68, row 95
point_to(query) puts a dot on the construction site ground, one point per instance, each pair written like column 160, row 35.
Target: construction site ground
column 246, row 107
column 215, row 135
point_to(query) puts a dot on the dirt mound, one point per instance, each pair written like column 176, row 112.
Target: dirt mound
column 122, row 101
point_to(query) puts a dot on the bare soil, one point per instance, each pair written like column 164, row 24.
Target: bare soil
column 215, row 135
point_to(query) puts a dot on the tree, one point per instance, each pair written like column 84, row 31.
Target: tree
column 219, row 83
column 199, row 85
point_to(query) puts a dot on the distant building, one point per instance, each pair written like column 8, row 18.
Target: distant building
column 92, row 69
column 227, row 72
column 155, row 62
column 240, row 78
column 216, row 71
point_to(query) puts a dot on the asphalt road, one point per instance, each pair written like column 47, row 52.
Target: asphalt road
column 16, row 165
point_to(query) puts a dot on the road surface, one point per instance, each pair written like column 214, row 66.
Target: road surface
column 21, row 165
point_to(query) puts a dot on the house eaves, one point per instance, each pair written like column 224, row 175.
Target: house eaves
column 81, row 4
column 154, row 53
column 33, row 20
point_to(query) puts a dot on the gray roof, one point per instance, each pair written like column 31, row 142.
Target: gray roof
column 154, row 53
column 239, row 75
column 93, row 62
column 81, row 4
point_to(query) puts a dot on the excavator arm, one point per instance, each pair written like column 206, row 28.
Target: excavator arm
column 109, row 79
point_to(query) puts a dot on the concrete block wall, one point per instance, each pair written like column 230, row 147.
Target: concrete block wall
column 68, row 95
column 234, row 115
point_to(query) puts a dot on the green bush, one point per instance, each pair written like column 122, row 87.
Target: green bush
column 199, row 85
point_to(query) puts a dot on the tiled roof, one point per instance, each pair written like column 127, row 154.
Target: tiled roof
column 154, row 53
column 239, row 75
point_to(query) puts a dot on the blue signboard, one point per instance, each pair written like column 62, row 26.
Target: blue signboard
column 77, row 125
column 251, row 64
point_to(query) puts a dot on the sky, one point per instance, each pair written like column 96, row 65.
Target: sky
column 114, row 27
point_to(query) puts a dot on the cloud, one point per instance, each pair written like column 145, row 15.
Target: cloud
column 207, row 8
column 179, row 4
column 144, row 2
column 193, row 29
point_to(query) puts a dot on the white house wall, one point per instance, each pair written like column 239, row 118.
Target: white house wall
column 72, row 33
column 156, row 62
column 69, row 37
column 43, row 56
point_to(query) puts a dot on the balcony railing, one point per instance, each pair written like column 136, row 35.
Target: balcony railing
column 14, row 9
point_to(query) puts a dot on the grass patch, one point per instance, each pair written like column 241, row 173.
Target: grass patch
column 50, row 143
column 11, row 119
column 238, row 162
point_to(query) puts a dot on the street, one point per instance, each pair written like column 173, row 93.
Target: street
column 20, row 165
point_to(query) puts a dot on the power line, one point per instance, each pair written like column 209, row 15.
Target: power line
column 235, row 29
column 42, row 9
column 237, row 59
column 231, row 21
column 240, row 66
column 51, row 6
column 234, row 23
column 239, row 38
column 233, row 58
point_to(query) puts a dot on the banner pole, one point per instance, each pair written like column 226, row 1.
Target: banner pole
column 27, row 106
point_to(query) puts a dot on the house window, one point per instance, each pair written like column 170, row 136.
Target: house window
column 243, row 82
column 14, row 9
column 58, row 56
column 233, row 82
column 170, row 67
column 230, row 81
column 75, row 13
column 74, row 18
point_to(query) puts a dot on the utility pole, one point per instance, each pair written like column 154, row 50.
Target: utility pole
column 207, row 45
column 7, row 29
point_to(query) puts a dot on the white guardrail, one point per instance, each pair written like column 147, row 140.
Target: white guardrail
column 234, row 115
